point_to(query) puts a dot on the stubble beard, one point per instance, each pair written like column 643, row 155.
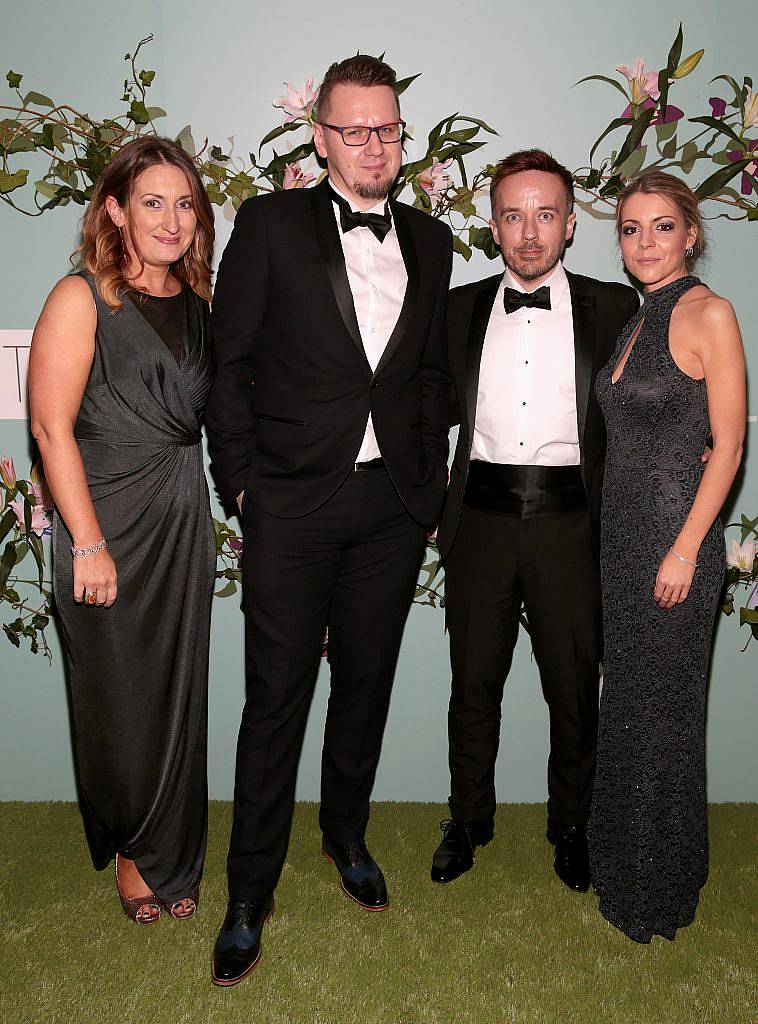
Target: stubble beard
column 532, row 271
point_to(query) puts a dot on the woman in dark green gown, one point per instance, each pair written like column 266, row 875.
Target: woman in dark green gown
column 119, row 373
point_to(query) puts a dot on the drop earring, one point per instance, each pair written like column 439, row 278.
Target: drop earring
column 689, row 252
column 124, row 257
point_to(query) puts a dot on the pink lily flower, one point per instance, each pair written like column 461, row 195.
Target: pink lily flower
column 8, row 472
column 41, row 523
column 297, row 105
column 435, row 180
column 644, row 83
column 296, row 177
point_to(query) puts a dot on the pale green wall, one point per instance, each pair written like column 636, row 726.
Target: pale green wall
column 514, row 65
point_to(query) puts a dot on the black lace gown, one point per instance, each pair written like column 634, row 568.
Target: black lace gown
column 647, row 832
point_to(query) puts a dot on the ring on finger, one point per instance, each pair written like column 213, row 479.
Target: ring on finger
column 91, row 597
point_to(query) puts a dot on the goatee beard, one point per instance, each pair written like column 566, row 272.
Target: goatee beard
column 378, row 188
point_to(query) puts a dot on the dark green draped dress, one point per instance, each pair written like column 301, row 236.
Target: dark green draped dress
column 138, row 671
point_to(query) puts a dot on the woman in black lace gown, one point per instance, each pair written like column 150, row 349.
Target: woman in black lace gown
column 119, row 374
column 675, row 379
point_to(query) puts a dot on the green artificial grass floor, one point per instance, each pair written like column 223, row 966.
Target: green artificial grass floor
column 505, row 943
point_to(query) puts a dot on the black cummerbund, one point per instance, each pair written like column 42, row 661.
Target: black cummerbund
column 524, row 491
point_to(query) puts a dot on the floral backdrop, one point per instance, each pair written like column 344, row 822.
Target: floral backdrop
column 51, row 155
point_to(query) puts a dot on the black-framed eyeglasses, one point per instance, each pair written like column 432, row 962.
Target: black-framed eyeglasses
column 359, row 134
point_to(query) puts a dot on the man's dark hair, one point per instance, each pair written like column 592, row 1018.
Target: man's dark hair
column 358, row 70
column 531, row 160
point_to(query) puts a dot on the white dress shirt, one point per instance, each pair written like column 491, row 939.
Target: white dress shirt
column 378, row 278
column 526, row 402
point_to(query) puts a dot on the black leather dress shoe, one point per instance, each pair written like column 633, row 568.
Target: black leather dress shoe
column 238, row 946
column 572, row 860
column 455, row 854
column 361, row 877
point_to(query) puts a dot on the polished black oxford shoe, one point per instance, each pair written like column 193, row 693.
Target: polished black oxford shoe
column 572, row 859
column 455, row 854
column 238, row 946
column 361, row 877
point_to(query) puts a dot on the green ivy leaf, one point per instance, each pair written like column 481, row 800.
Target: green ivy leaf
column 14, row 79
column 146, row 77
column 228, row 590
column 9, row 182
column 138, row 112
column 38, row 99
column 461, row 248
column 47, row 189
column 185, row 140
column 690, row 154
column 155, row 113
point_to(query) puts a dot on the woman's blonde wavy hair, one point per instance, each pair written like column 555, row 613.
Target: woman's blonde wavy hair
column 101, row 251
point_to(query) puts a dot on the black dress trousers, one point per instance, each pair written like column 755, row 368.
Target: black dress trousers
column 496, row 563
column 351, row 565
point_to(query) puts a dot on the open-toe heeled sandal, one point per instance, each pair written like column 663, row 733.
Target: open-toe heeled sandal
column 140, row 909
column 185, row 907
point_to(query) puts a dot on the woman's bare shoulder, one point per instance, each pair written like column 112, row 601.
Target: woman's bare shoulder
column 69, row 303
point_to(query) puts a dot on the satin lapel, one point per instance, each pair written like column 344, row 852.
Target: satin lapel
column 584, row 315
column 334, row 261
column 480, row 317
column 410, row 258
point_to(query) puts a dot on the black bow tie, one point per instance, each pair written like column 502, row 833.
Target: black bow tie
column 378, row 223
column 538, row 299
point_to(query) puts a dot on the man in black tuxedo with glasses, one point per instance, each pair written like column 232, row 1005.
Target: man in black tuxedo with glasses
column 328, row 424
column 521, row 523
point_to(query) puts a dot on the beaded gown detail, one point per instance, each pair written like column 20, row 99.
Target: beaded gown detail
column 647, row 831
column 138, row 671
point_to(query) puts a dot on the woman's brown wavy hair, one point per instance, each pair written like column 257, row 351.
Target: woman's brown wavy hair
column 101, row 250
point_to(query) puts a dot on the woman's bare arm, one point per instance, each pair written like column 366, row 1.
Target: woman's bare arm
column 717, row 343
column 61, row 357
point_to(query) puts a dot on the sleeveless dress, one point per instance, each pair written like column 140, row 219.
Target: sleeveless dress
column 138, row 671
column 647, row 831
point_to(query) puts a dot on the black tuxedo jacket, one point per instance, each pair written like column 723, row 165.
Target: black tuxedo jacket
column 293, row 391
column 600, row 310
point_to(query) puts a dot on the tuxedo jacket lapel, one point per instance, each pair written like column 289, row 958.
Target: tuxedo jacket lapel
column 480, row 316
column 410, row 258
column 334, row 261
column 584, row 315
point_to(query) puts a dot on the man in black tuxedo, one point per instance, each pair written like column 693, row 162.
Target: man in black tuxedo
column 328, row 424
column 521, row 520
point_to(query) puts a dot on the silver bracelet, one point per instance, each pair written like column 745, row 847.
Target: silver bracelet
column 92, row 549
column 682, row 558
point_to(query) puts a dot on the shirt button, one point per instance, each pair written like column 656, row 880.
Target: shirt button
column 523, row 403
column 521, row 444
